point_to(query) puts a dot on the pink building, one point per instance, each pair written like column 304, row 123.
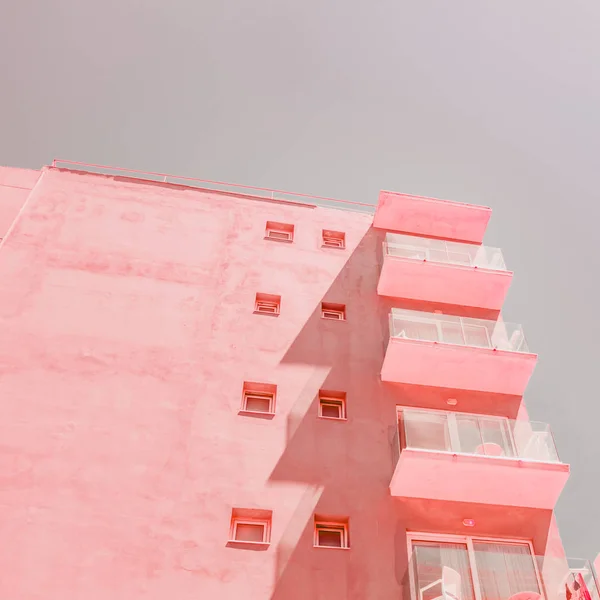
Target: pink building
column 220, row 392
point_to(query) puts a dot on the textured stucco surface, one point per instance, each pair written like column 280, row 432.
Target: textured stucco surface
column 128, row 331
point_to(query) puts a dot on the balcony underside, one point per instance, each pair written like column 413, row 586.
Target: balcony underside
column 478, row 479
column 443, row 365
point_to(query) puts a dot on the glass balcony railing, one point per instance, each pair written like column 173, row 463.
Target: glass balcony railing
column 465, row 433
column 453, row 253
column 581, row 578
column 477, row 569
column 462, row 331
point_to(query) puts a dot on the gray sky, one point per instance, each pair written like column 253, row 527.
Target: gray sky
column 487, row 102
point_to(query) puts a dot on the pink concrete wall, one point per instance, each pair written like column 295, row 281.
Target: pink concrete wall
column 480, row 479
column 431, row 217
column 452, row 285
column 127, row 333
column 15, row 185
column 128, row 330
column 460, row 367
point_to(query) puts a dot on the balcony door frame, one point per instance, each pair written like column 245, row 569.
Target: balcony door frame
column 467, row 540
column 453, row 434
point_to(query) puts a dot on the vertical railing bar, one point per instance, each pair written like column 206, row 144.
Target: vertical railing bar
column 478, row 421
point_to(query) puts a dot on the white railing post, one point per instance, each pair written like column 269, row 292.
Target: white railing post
column 462, row 331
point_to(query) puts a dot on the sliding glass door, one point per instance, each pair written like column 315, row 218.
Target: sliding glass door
column 473, row 570
column 439, row 566
column 504, row 570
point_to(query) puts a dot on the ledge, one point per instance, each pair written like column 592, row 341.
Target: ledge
column 255, row 413
column 256, row 546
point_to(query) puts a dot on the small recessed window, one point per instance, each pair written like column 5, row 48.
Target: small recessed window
column 267, row 304
column 331, row 534
column 250, row 527
column 332, row 405
column 258, row 398
column 280, row 232
column 249, row 531
column 335, row 312
column 334, row 239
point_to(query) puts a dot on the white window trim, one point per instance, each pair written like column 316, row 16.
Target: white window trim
column 269, row 395
column 333, row 241
column 241, row 521
column 264, row 306
column 468, row 541
column 338, row 402
column 281, row 235
column 333, row 314
column 341, row 528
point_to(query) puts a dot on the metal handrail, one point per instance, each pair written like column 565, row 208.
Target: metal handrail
column 220, row 186
column 516, row 434
column 496, row 338
column 402, row 246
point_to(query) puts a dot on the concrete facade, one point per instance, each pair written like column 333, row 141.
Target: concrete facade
column 129, row 334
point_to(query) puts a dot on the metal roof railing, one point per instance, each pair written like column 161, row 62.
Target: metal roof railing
column 217, row 186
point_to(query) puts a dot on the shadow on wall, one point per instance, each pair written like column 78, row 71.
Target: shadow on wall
column 347, row 465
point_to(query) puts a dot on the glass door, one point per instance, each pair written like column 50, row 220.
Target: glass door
column 472, row 569
column 441, row 570
column 505, row 571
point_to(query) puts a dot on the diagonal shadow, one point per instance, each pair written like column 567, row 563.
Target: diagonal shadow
column 346, row 467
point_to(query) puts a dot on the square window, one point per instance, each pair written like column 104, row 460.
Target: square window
column 332, row 405
column 249, row 531
column 280, row 232
column 331, row 535
column 333, row 239
column 258, row 398
column 267, row 304
column 258, row 402
column 335, row 312
column 250, row 527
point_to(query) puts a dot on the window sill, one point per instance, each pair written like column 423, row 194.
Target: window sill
column 276, row 240
column 333, row 247
column 256, row 413
column 332, row 547
column 248, row 545
column 335, row 320
column 268, row 314
column 333, row 418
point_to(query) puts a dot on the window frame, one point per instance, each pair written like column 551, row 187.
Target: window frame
column 329, row 235
column 333, row 308
column 253, row 393
column 284, row 232
column 267, row 299
column 337, row 526
column 261, row 390
column 235, row 521
column 325, row 399
column 468, row 540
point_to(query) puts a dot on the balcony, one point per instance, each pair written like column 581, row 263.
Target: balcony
column 486, row 569
column 431, row 217
column 463, row 457
column 429, row 270
column 444, row 351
